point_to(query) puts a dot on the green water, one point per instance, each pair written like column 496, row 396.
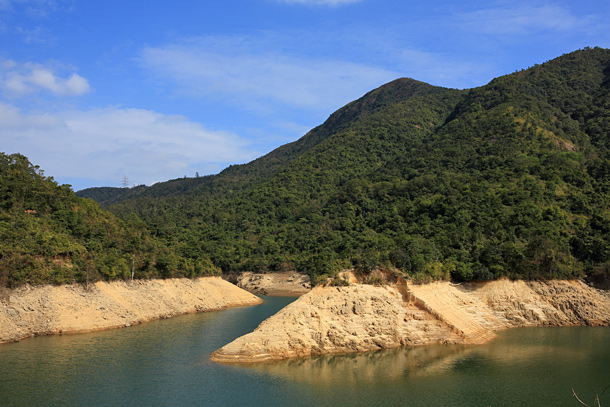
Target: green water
column 166, row 363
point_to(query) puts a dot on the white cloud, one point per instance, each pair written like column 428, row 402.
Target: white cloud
column 257, row 72
column 19, row 80
column 320, row 2
column 106, row 144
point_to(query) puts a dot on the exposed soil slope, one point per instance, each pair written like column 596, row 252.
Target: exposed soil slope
column 279, row 284
column 66, row 309
column 365, row 317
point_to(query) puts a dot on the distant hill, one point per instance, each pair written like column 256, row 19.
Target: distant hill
column 510, row 179
column 49, row 235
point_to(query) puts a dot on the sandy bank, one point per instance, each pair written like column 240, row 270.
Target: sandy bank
column 48, row 310
column 276, row 284
column 364, row 317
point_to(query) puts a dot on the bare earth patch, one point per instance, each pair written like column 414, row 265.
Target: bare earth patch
column 363, row 317
column 47, row 310
column 277, row 284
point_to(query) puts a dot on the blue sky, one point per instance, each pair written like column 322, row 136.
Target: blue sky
column 93, row 91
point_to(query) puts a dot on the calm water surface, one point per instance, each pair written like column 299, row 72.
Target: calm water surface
column 166, row 363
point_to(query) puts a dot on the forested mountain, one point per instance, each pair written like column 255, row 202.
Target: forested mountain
column 508, row 179
column 49, row 235
column 236, row 178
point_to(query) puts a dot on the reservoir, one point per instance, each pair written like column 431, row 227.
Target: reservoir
column 166, row 363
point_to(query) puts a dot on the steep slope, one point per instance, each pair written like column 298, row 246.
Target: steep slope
column 507, row 180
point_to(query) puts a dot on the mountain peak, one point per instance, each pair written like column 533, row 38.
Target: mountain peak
column 509, row 179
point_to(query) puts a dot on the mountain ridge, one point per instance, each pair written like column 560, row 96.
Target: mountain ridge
column 509, row 179
column 271, row 163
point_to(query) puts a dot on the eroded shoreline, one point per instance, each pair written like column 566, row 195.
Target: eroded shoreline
column 363, row 317
column 69, row 309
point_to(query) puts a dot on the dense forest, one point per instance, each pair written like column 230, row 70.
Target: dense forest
column 49, row 235
column 511, row 179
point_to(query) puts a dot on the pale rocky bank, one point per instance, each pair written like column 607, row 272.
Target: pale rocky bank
column 47, row 310
column 276, row 284
column 362, row 317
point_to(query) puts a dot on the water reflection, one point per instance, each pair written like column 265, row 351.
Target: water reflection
column 364, row 368
column 393, row 365
column 150, row 364
column 116, row 364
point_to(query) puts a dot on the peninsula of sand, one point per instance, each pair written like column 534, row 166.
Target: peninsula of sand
column 31, row 311
column 364, row 317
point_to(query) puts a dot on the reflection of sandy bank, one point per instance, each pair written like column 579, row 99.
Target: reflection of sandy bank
column 536, row 344
column 369, row 367
column 524, row 347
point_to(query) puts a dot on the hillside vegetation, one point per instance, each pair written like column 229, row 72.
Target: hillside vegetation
column 49, row 235
column 511, row 179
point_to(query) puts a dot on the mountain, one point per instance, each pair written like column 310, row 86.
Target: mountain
column 239, row 177
column 511, row 179
column 49, row 235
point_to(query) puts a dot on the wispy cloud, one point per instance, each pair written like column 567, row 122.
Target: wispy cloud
column 31, row 19
column 106, row 144
column 35, row 8
column 254, row 72
column 445, row 69
column 37, row 35
column 22, row 79
column 319, row 2
column 523, row 19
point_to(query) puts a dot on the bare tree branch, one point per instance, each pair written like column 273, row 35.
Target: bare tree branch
column 579, row 400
